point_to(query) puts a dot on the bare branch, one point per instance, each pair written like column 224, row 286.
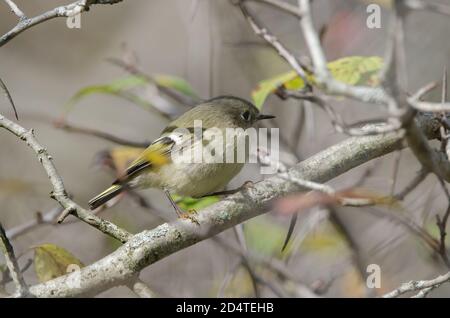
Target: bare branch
column 134, row 70
column 64, row 125
column 419, row 286
column 281, row 5
column 8, row 96
column 15, row 9
column 142, row 289
column 59, row 193
column 430, row 107
column 40, row 219
column 13, row 266
column 265, row 34
column 420, row 176
column 62, row 11
column 427, row 5
column 369, row 127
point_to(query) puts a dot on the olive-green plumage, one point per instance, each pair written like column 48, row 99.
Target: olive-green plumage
column 154, row 168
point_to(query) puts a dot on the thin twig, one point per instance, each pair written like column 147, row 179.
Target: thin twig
column 59, row 193
column 40, row 219
column 141, row 289
column 352, row 244
column 63, row 125
column 442, row 225
column 265, row 34
column 418, row 286
column 13, row 266
column 15, row 9
column 365, row 128
column 420, row 176
column 8, row 96
column 281, row 5
column 134, row 70
column 396, row 166
column 428, row 5
column 62, row 11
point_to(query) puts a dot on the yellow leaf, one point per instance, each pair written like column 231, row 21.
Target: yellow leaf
column 324, row 237
column 356, row 70
column 15, row 186
column 352, row 284
column 121, row 157
column 352, row 70
column 240, row 285
column 51, row 261
column 266, row 87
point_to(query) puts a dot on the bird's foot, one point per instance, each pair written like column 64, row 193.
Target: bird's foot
column 189, row 215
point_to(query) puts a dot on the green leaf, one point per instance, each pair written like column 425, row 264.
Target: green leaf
column 117, row 87
column 265, row 237
column 188, row 203
column 352, row 70
column 51, row 261
column 325, row 237
column 175, row 83
column 120, row 88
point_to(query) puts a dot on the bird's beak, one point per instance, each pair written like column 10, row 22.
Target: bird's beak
column 262, row 116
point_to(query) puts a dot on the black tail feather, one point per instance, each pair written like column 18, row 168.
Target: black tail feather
column 105, row 196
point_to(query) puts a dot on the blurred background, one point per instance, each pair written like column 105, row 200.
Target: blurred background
column 210, row 45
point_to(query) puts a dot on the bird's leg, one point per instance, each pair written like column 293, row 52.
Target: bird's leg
column 246, row 185
column 180, row 213
column 173, row 203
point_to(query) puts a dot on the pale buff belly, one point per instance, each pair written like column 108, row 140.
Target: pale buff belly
column 193, row 179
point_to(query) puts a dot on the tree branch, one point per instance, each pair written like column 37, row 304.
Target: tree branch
column 281, row 5
column 59, row 193
column 9, row 97
column 64, row 125
column 265, row 34
column 13, row 266
column 424, row 286
column 427, row 5
column 62, row 11
column 15, row 9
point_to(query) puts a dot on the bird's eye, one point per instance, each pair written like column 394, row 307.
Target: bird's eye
column 246, row 116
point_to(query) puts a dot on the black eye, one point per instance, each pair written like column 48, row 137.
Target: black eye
column 246, row 115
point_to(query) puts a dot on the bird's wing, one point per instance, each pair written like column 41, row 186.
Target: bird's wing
column 156, row 155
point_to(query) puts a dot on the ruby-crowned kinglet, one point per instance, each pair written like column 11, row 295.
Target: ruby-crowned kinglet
column 155, row 167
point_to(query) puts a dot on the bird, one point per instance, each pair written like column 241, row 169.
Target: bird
column 155, row 167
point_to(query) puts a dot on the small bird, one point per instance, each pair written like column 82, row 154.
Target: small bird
column 154, row 168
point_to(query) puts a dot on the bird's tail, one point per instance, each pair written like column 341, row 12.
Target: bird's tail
column 105, row 196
